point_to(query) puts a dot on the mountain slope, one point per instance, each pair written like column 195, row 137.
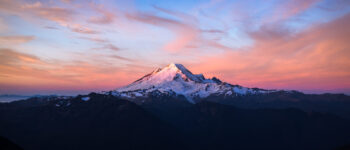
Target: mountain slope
column 176, row 80
column 102, row 122
column 174, row 83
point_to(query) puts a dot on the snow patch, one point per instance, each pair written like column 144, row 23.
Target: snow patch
column 137, row 94
column 228, row 93
column 175, row 78
column 85, row 98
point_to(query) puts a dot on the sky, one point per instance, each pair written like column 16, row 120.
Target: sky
column 78, row 46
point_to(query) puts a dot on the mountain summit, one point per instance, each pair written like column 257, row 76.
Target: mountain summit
column 173, row 73
column 176, row 80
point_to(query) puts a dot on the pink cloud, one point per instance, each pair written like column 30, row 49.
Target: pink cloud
column 63, row 16
column 184, row 37
column 81, row 29
column 19, row 69
column 105, row 16
column 187, row 34
column 56, row 14
column 95, row 39
column 15, row 39
column 315, row 58
column 184, row 33
column 290, row 8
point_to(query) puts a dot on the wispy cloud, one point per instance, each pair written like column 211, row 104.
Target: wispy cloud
column 51, row 27
column 314, row 58
column 56, row 14
column 184, row 33
column 21, row 69
column 61, row 15
column 11, row 57
column 105, row 16
column 107, row 46
column 5, row 40
column 81, row 29
column 121, row 58
column 291, row 8
column 112, row 47
column 3, row 25
column 95, row 39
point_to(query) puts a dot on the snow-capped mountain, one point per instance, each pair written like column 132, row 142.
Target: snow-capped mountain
column 176, row 80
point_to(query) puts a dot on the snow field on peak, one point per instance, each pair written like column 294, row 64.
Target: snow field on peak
column 175, row 78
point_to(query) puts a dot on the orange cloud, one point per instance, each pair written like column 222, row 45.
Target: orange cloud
column 81, row 29
column 315, row 58
column 10, row 57
column 57, row 14
column 15, row 39
column 28, row 72
column 66, row 17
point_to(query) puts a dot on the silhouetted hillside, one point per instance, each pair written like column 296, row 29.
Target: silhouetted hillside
column 217, row 126
column 6, row 144
column 98, row 121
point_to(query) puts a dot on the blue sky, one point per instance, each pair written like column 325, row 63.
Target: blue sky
column 50, row 47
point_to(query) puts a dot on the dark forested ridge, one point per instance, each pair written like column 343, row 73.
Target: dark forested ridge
column 101, row 123
column 6, row 144
column 338, row 104
column 107, row 122
column 227, row 127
